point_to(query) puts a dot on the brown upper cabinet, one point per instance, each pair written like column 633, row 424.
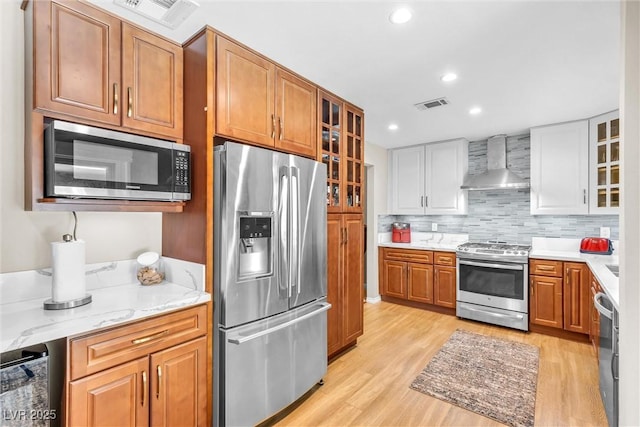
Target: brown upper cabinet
column 261, row 103
column 91, row 67
column 341, row 149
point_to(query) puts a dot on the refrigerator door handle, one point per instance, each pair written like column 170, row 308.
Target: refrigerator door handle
column 283, row 216
column 241, row 339
column 295, row 228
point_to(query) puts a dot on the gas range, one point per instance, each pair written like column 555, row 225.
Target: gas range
column 498, row 251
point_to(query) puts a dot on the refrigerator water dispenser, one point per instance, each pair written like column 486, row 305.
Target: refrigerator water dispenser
column 254, row 247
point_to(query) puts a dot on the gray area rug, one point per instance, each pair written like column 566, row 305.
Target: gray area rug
column 493, row 377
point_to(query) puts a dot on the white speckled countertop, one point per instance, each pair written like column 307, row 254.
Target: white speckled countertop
column 427, row 241
column 569, row 250
column 117, row 298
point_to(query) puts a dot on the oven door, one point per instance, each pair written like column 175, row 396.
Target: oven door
column 496, row 284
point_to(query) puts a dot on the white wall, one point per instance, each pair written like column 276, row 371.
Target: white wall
column 25, row 236
column 375, row 158
column 629, row 224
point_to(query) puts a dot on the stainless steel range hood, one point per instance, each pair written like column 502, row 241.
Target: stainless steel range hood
column 497, row 176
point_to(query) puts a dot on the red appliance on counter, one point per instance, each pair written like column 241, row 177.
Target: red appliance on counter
column 401, row 232
column 596, row 245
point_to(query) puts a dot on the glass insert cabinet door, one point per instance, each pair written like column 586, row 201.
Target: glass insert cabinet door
column 354, row 159
column 604, row 174
column 331, row 148
column 341, row 128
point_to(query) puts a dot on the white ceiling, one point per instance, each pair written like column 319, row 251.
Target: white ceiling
column 526, row 63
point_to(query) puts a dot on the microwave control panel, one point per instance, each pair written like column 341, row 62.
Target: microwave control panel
column 182, row 171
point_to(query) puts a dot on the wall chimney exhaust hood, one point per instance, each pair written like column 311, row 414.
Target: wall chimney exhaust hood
column 497, row 176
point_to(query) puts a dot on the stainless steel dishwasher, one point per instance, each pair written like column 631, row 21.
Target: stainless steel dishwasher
column 24, row 397
column 609, row 354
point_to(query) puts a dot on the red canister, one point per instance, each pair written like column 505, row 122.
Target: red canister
column 401, row 232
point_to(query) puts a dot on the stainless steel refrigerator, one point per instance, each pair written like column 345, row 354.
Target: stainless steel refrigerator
column 270, row 281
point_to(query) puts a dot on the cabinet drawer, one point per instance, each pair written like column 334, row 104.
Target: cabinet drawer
column 410, row 255
column 543, row 267
column 444, row 258
column 93, row 353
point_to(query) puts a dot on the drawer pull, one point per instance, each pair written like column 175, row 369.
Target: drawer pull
column 149, row 337
column 546, row 267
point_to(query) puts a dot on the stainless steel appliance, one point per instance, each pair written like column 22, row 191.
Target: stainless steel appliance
column 87, row 162
column 24, row 393
column 497, row 176
column 270, row 281
column 608, row 356
column 493, row 283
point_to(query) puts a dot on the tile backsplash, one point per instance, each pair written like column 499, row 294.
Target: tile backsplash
column 505, row 214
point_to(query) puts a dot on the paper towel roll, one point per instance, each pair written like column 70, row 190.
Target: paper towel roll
column 68, row 271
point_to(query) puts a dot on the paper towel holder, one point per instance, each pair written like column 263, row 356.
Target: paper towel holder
column 50, row 304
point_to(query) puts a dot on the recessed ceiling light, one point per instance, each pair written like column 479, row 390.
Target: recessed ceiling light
column 449, row 77
column 475, row 110
column 393, row 126
column 400, row 16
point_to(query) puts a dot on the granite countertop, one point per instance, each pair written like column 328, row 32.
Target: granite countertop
column 569, row 250
column 116, row 300
column 426, row 241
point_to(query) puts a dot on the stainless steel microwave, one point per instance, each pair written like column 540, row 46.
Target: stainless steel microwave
column 87, row 162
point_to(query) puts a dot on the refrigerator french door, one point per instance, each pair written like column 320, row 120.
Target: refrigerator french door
column 270, row 282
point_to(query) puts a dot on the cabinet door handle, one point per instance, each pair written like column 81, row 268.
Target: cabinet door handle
column 584, row 196
column 532, row 287
column 426, row 201
column 159, row 371
column 150, row 337
column 273, row 126
column 422, row 201
column 144, row 388
column 129, row 102
column 116, row 98
column 281, row 127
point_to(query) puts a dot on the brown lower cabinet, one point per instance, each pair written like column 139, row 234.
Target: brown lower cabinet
column 545, row 307
column 418, row 275
column 559, row 295
column 345, row 280
column 151, row 372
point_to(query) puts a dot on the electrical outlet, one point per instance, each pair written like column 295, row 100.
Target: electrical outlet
column 434, row 226
column 605, row 232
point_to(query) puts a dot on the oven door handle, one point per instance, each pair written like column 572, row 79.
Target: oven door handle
column 490, row 265
column 498, row 315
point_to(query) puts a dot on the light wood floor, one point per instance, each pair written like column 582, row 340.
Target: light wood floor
column 369, row 385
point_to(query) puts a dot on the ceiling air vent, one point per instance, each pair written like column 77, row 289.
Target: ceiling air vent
column 170, row 13
column 426, row 105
